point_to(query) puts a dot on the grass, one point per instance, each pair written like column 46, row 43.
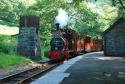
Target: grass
column 44, row 49
column 8, row 46
column 10, row 60
column 7, row 60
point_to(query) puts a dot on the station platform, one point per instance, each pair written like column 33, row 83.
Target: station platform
column 91, row 68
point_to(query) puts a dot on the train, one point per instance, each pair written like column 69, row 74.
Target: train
column 67, row 43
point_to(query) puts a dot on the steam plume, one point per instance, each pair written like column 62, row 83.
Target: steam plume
column 62, row 18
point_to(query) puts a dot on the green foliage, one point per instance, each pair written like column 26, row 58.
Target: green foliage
column 83, row 19
column 5, row 8
column 45, row 40
column 2, row 22
column 44, row 49
column 47, row 10
column 10, row 10
column 10, row 60
column 8, row 44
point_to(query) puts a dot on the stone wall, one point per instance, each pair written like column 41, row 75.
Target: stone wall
column 28, row 42
column 114, row 40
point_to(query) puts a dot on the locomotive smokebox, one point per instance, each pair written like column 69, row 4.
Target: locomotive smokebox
column 57, row 26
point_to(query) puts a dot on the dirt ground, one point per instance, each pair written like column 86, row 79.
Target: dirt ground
column 16, row 69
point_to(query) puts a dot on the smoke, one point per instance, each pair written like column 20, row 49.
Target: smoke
column 62, row 18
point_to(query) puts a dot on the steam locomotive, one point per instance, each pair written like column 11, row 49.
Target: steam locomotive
column 67, row 43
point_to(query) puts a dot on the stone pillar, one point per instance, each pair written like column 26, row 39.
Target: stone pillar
column 28, row 40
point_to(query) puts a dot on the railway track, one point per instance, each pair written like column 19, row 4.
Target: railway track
column 25, row 77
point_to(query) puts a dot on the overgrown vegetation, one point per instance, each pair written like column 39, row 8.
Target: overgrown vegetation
column 8, row 44
column 10, row 60
column 89, row 17
column 8, row 55
column 44, row 49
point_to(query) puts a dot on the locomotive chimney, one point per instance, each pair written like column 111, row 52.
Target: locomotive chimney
column 57, row 26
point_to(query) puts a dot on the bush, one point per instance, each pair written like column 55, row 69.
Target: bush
column 7, row 44
column 43, row 50
column 5, row 48
column 45, row 40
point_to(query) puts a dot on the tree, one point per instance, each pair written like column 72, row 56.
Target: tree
column 10, row 10
column 5, row 9
column 86, row 16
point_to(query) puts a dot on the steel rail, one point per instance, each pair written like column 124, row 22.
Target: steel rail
column 26, row 76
